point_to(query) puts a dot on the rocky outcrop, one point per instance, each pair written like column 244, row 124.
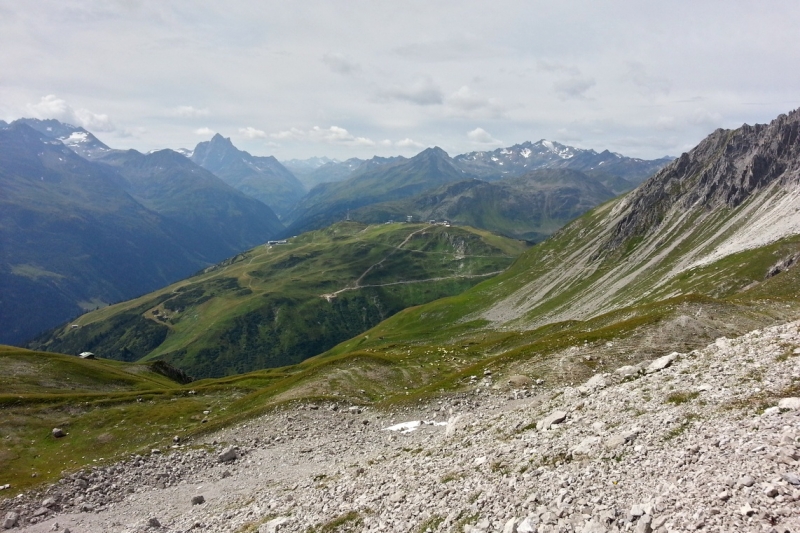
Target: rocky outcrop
column 723, row 170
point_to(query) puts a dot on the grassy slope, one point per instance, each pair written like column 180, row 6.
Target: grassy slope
column 265, row 307
column 421, row 351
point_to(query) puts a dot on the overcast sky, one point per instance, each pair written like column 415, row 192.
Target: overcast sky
column 362, row 78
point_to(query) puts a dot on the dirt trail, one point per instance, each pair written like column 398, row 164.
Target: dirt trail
column 357, row 283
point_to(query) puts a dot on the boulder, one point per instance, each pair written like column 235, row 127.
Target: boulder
column 661, row 363
column 228, row 455
column 519, row 381
column 556, row 417
column 273, row 525
column 789, row 404
column 586, row 447
column 10, row 519
column 627, row 371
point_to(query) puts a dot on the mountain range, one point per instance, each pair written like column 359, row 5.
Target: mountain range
column 80, row 233
column 316, row 170
column 622, row 344
column 215, row 201
column 263, row 178
column 374, row 181
column 616, row 171
column 529, row 207
column 392, row 181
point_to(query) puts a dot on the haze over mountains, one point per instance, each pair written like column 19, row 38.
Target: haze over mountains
column 263, row 178
column 198, row 207
column 80, row 233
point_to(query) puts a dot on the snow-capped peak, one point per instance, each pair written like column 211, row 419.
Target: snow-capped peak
column 76, row 137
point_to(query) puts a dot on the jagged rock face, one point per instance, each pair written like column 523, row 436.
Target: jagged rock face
column 723, row 170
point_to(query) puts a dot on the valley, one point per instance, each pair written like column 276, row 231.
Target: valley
column 280, row 304
column 568, row 379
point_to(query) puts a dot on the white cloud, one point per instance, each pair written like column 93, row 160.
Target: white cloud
column 665, row 123
column 52, row 107
column 340, row 64
column 253, row 133
column 204, row 131
column 566, row 135
column 469, row 103
column 466, row 99
column 574, row 87
column 422, row 92
column 331, row 135
column 481, row 136
column 545, row 65
column 647, row 84
column 408, row 143
column 290, row 134
column 187, row 111
column 705, row 118
column 448, row 50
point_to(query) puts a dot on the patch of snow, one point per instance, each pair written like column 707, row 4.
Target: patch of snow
column 526, row 153
column 408, row 427
column 76, row 137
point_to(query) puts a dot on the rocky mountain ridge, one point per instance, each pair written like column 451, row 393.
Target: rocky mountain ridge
column 736, row 191
column 79, row 140
column 374, row 181
column 64, row 217
column 610, row 168
column 262, row 178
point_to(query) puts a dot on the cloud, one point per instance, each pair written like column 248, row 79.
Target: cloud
column 204, row 131
column 331, row 135
column 665, row 123
column 574, row 87
column 566, row 135
column 421, row 92
column 467, row 100
column 290, row 134
column 187, row 111
column 253, row 133
column 647, row 84
column 52, row 107
column 570, row 82
column 408, row 143
column 340, row 64
column 555, row 66
column 481, row 136
column 706, row 119
column 448, row 50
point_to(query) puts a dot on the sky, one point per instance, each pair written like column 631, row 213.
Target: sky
column 369, row 77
